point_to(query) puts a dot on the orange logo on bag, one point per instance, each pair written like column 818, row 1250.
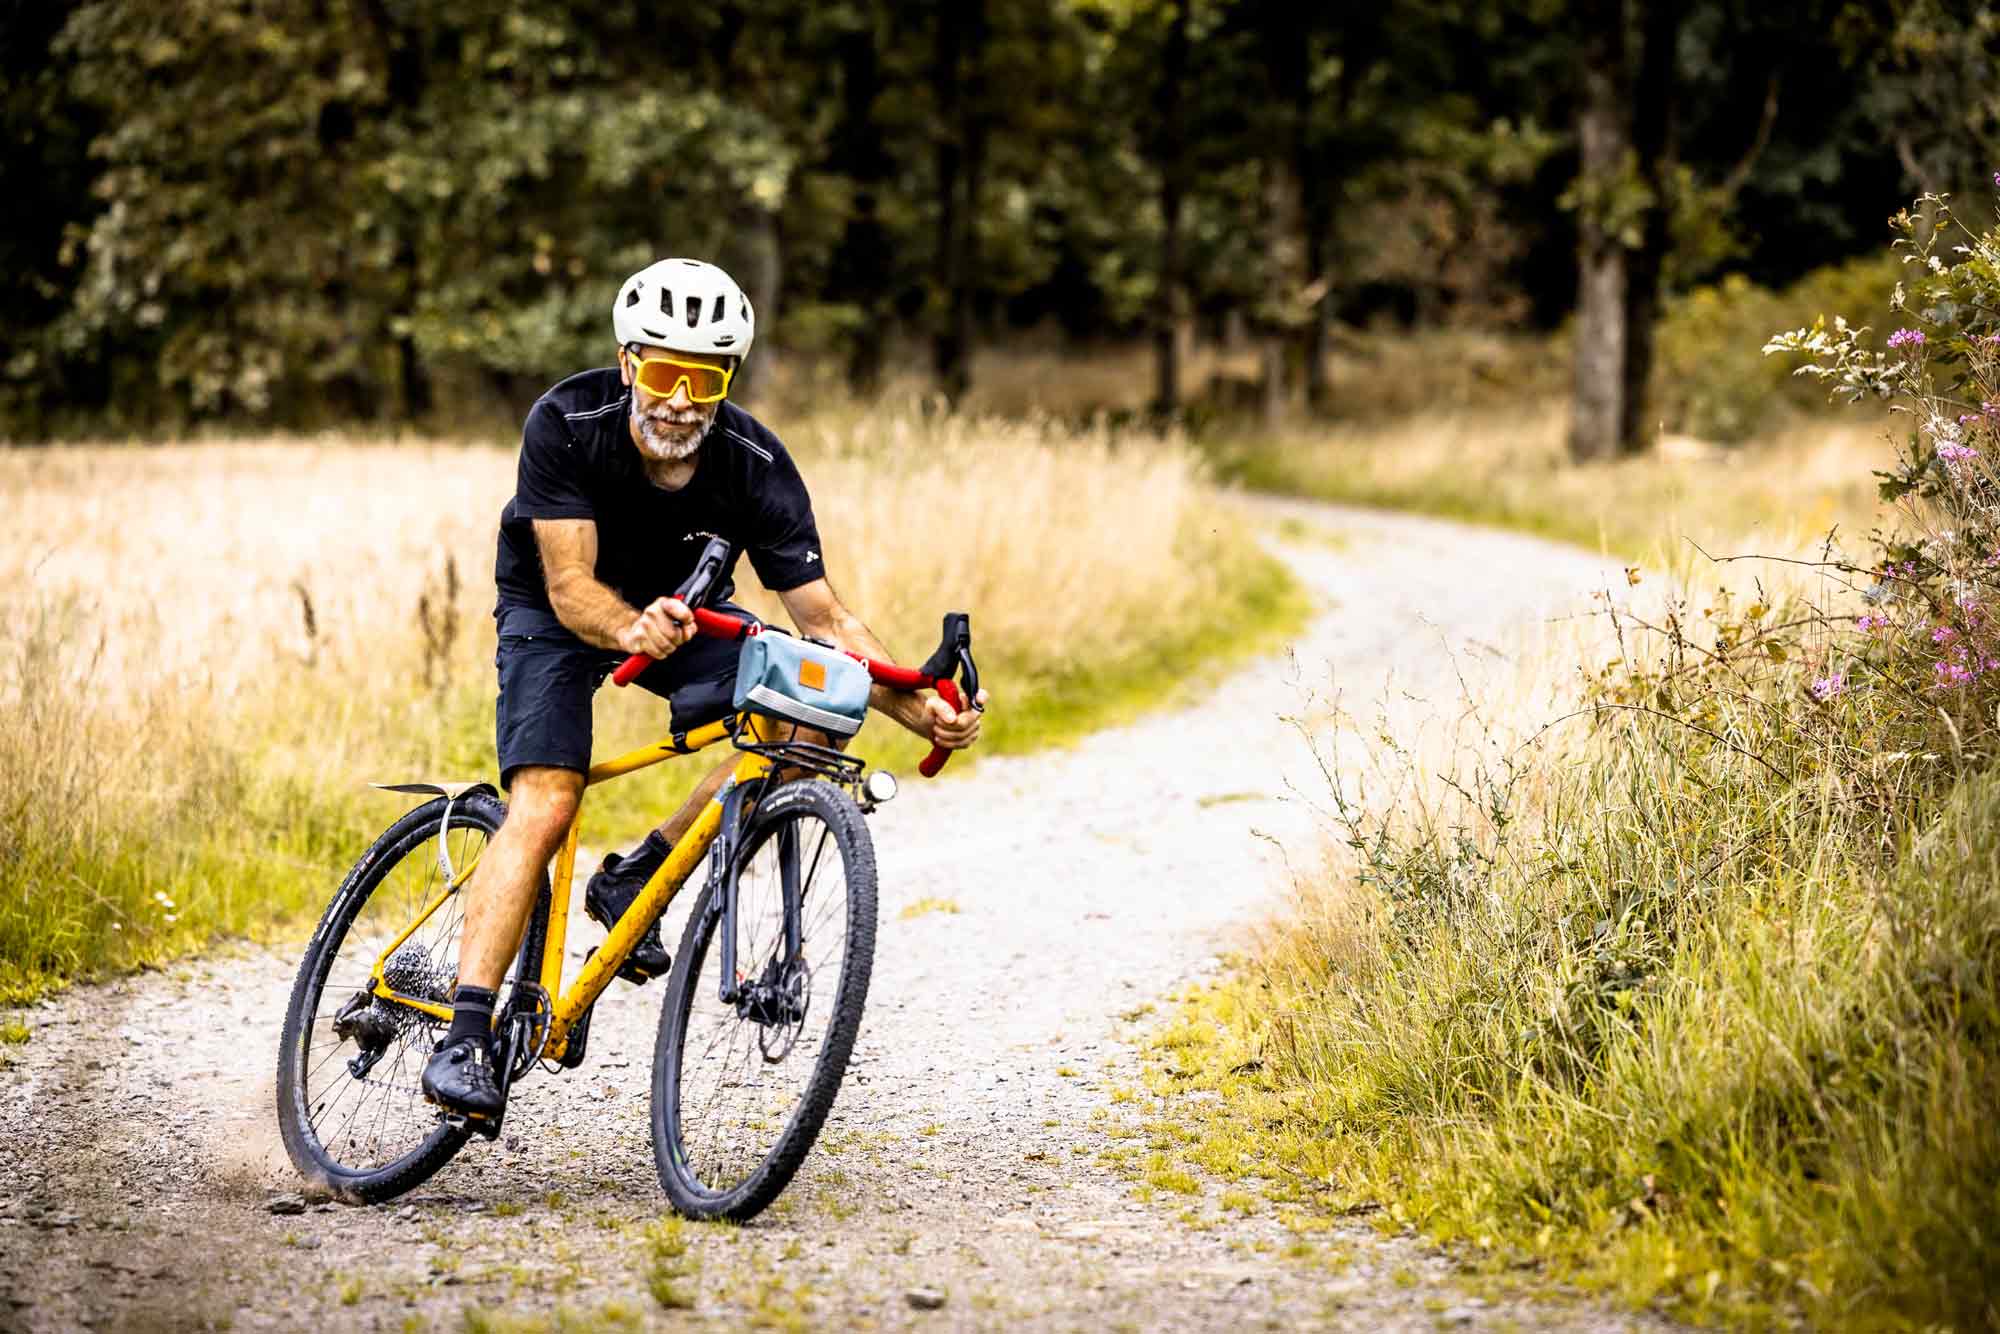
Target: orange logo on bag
column 812, row 674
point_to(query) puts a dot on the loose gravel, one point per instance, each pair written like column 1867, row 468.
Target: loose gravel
column 1056, row 901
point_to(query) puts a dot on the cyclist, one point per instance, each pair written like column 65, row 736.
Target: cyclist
column 626, row 473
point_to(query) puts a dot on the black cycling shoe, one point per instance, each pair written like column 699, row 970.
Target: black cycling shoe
column 459, row 1078
column 614, row 888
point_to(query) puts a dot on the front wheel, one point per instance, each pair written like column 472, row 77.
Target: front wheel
column 742, row 1087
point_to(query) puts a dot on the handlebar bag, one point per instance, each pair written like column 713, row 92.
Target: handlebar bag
column 799, row 681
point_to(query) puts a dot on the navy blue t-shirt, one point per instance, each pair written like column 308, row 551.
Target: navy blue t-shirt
column 578, row 462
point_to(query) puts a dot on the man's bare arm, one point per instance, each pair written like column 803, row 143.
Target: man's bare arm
column 589, row 608
column 819, row 613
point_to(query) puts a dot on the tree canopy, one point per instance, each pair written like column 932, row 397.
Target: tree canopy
column 291, row 211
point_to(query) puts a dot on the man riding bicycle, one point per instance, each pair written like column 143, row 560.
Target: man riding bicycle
column 626, row 473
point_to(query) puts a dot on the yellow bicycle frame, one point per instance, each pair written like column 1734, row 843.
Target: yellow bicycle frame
column 570, row 1006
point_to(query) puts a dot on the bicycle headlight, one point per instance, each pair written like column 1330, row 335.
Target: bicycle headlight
column 880, row 786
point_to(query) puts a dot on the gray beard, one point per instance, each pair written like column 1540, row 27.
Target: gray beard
column 662, row 448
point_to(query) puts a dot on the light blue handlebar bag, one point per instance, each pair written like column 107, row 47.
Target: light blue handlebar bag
column 799, row 681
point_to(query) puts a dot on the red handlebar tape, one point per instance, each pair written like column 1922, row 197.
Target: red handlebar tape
column 716, row 625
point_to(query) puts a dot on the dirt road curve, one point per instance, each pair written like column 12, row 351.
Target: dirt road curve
column 139, row 1157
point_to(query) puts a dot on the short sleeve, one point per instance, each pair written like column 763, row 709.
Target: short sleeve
column 783, row 542
column 550, row 481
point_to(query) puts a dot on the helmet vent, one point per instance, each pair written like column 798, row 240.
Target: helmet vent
column 632, row 297
column 724, row 340
column 667, row 302
column 693, row 311
column 655, row 335
column 715, row 316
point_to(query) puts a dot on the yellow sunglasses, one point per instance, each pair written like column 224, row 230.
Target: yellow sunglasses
column 661, row 376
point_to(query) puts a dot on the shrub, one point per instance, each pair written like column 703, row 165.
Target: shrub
column 1705, row 384
column 1695, row 995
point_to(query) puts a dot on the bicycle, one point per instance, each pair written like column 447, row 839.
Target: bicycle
column 740, row 1088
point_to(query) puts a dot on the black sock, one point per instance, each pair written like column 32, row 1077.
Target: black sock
column 471, row 1013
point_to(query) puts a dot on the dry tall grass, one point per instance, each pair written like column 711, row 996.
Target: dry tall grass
column 1511, row 468
column 1649, row 966
column 205, row 650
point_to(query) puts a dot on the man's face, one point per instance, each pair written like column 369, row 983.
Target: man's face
column 670, row 429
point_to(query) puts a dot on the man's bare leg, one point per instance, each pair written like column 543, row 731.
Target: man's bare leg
column 498, row 897
column 682, row 820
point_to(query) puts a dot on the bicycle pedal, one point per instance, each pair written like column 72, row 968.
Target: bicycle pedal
column 638, row 976
column 488, row 1126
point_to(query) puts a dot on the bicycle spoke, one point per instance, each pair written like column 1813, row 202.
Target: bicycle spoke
column 365, row 1124
column 735, row 1105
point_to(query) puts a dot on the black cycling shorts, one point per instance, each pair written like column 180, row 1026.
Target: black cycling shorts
column 548, row 677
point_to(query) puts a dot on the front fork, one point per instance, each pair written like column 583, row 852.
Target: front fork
column 753, row 998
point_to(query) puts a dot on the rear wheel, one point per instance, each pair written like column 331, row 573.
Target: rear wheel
column 350, row 1106
column 741, row 1088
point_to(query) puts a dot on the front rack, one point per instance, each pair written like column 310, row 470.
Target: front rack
column 810, row 756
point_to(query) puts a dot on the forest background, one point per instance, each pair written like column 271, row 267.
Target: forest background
column 1690, row 995
column 302, row 213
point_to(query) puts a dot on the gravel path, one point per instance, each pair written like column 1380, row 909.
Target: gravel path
column 139, row 1156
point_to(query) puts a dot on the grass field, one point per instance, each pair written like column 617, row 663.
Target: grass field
column 1666, row 966
column 1510, row 468
column 208, row 649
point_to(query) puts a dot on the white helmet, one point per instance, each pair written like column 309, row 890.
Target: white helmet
column 684, row 305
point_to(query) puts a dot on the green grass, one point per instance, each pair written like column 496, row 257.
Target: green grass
column 669, row 1267
column 1647, row 1019
column 930, row 903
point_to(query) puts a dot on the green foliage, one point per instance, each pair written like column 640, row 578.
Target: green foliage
column 1706, row 382
column 298, row 214
column 1695, row 996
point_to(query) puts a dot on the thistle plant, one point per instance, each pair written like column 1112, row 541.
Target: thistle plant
column 1930, row 595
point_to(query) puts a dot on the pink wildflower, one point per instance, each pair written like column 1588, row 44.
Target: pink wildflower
column 1951, row 674
column 1907, row 338
column 1943, row 634
column 1828, row 687
column 1869, row 622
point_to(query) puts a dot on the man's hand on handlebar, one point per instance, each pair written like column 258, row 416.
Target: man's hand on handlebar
column 662, row 627
column 951, row 729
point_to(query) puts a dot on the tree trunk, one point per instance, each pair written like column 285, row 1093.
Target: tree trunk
column 405, row 80
column 1653, row 144
column 961, row 148
column 1316, row 225
column 1599, row 410
column 1289, row 298
column 1282, row 316
column 976, row 133
column 1312, row 338
column 756, row 259
column 1170, row 312
column 861, row 262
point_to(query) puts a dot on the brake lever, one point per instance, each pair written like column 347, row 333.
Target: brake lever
column 707, row 569
column 954, row 654
column 969, row 674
